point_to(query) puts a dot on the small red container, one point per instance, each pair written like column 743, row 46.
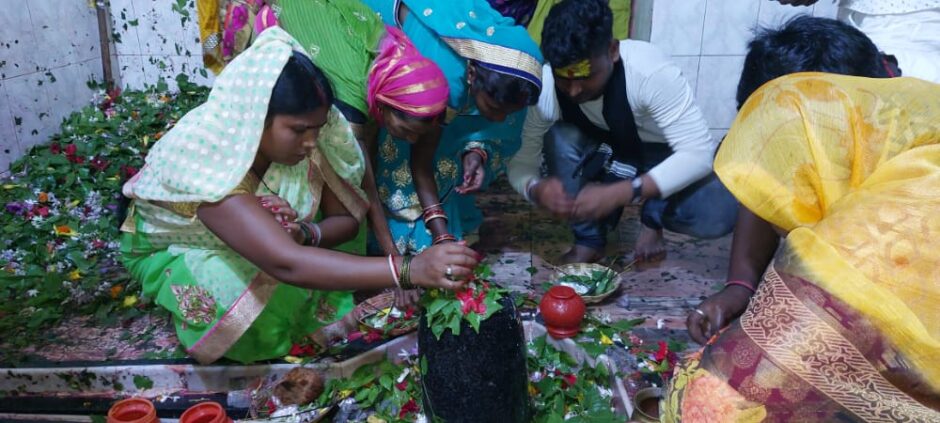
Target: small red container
column 133, row 410
column 205, row 412
column 563, row 310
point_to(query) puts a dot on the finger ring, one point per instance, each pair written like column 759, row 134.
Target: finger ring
column 700, row 312
column 449, row 272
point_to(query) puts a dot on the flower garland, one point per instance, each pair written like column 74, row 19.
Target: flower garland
column 61, row 210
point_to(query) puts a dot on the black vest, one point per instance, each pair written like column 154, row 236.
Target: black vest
column 622, row 137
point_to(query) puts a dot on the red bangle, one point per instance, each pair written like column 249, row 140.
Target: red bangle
column 434, row 213
column 432, row 206
column 747, row 285
column 441, row 238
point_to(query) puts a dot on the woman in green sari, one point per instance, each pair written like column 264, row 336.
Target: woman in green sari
column 242, row 278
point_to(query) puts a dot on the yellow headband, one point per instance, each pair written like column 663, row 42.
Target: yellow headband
column 580, row 69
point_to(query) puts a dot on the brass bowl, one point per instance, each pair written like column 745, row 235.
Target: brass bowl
column 644, row 396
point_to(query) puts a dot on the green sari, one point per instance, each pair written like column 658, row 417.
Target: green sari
column 342, row 37
column 222, row 304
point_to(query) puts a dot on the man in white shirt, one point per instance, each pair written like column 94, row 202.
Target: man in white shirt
column 618, row 124
column 907, row 30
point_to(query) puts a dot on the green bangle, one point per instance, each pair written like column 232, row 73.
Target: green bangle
column 308, row 237
column 406, row 273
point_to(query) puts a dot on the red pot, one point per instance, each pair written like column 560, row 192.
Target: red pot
column 562, row 309
column 132, row 410
column 205, row 412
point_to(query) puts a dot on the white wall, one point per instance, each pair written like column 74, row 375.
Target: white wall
column 708, row 40
column 49, row 49
column 156, row 42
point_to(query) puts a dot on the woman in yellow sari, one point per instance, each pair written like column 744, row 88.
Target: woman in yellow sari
column 843, row 326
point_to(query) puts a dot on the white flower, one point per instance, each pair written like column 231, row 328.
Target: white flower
column 32, row 292
column 535, row 377
column 402, row 354
column 661, row 323
column 421, row 418
column 606, row 393
column 403, row 375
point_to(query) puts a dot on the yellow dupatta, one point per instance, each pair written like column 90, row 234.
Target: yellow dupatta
column 850, row 168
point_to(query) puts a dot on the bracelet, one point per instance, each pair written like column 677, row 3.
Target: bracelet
column 534, row 182
column 317, row 234
column 432, row 206
column 747, row 285
column 433, row 210
column 432, row 214
column 436, row 216
column 406, row 273
column 394, row 270
column 444, row 237
column 308, row 237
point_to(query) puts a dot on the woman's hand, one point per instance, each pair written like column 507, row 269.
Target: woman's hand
column 429, row 269
column 473, row 173
column 284, row 214
column 717, row 311
column 406, row 298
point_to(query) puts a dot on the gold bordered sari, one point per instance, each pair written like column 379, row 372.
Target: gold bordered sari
column 844, row 325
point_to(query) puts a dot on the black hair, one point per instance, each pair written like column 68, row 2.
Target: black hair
column 808, row 44
column 505, row 88
column 301, row 88
column 576, row 30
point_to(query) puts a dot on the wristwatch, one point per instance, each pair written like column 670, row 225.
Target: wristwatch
column 637, row 185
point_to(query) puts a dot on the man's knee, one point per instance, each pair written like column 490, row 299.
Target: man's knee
column 565, row 140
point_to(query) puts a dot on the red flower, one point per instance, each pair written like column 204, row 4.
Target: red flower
column 403, row 385
column 98, row 244
column 71, row 149
column 662, row 352
column 99, row 164
column 354, row 336
column 55, row 148
column 568, row 380
column 302, row 350
column 409, row 313
column 42, row 211
column 128, row 171
column 373, row 336
column 410, row 407
column 469, row 303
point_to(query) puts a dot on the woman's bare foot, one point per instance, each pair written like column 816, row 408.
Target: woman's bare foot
column 650, row 245
column 580, row 254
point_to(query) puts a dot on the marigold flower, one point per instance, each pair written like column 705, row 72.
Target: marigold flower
column 43, row 197
column 116, row 290
column 65, row 230
column 75, row 275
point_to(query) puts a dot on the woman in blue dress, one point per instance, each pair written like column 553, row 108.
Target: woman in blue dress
column 493, row 70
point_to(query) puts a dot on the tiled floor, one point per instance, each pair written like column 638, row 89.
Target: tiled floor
column 521, row 243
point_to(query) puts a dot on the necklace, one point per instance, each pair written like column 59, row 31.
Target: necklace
column 262, row 181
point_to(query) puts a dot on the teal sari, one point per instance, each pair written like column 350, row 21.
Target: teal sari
column 451, row 34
